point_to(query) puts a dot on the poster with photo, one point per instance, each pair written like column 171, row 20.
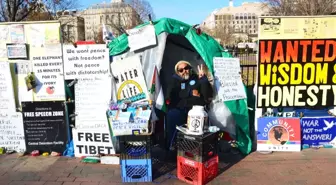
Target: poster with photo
column 17, row 33
column 48, row 70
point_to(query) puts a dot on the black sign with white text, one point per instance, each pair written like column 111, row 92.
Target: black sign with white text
column 44, row 126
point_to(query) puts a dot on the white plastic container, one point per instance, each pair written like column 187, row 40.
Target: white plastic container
column 197, row 120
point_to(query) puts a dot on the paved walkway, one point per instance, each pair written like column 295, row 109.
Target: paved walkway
column 309, row 167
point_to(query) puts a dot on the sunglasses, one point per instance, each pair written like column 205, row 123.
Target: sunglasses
column 185, row 68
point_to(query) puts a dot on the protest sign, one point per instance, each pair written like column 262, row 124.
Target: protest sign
column 92, row 143
column 44, row 126
column 279, row 134
column 128, row 123
column 22, row 69
column 228, row 79
column 130, row 81
column 318, row 131
column 7, row 100
column 11, row 132
column 17, row 33
column 86, row 61
column 300, row 70
column 91, row 103
column 143, row 37
column 48, row 70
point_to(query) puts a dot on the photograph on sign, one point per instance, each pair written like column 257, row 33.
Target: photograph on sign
column 17, row 51
column 279, row 134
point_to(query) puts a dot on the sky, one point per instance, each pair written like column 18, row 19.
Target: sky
column 188, row 11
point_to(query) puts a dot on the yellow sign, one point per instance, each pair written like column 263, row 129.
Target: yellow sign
column 297, row 27
column 295, row 71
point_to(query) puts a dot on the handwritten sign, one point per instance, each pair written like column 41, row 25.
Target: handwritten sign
column 7, row 101
column 91, row 102
column 319, row 131
column 130, row 81
column 86, row 61
column 11, row 132
column 139, row 38
column 279, row 134
column 49, row 72
column 44, row 126
column 228, row 79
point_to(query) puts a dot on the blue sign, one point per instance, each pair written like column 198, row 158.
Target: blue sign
column 318, row 131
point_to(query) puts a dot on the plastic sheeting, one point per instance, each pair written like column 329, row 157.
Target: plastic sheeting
column 207, row 48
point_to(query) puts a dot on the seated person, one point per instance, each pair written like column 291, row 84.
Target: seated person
column 185, row 90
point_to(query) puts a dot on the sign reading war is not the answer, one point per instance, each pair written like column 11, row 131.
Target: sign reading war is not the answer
column 44, row 126
column 319, row 131
column 297, row 73
column 85, row 61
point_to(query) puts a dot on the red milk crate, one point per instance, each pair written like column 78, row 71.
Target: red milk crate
column 197, row 173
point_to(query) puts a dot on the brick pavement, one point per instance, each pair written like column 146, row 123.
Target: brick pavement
column 309, row 167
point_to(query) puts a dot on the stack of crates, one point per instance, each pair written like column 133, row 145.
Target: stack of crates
column 135, row 158
column 197, row 158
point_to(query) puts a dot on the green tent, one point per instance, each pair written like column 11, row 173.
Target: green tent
column 207, row 48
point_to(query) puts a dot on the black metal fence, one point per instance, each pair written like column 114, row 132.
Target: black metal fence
column 248, row 64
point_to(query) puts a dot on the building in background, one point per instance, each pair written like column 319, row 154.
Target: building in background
column 72, row 26
column 114, row 15
column 235, row 24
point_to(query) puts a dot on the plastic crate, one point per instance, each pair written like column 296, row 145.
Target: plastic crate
column 197, row 173
column 198, row 148
column 136, row 170
column 135, row 147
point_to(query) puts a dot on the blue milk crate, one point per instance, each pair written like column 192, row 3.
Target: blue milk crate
column 136, row 170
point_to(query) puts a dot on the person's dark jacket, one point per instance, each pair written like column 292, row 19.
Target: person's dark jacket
column 179, row 97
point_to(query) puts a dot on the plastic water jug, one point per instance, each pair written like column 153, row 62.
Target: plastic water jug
column 197, row 120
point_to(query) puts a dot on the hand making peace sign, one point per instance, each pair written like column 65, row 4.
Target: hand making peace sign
column 200, row 71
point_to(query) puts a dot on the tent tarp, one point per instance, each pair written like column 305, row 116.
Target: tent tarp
column 208, row 48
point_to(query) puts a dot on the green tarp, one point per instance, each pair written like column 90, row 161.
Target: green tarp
column 208, row 48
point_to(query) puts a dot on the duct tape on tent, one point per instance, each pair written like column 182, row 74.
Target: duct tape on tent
column 207, row 48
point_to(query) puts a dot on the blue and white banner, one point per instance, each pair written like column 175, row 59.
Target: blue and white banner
column 318, row 132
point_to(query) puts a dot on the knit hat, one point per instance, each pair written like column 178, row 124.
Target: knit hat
column 181, row 62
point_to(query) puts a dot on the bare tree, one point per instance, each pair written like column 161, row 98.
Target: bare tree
column 127, row 15
column 143, row 9
column 225, row 33
column 16, row 10
column 300, row 7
